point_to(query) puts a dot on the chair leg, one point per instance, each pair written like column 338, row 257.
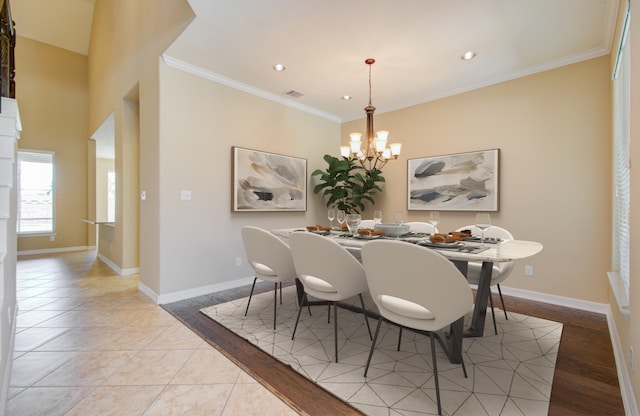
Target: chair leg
column 399, row 338
column 250, row 294
column 280, row 293
column 275, row 303
column 504, row 308
column 435, row 371
column 373, row 345
column 329, row 313
column 335, row 326
column 493, row 314
column 304, row 299
column 366, row 320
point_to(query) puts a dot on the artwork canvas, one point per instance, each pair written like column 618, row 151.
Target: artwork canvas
column 455, row 182
column 268, row 182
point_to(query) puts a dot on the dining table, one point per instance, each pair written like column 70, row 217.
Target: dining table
column 470, row 250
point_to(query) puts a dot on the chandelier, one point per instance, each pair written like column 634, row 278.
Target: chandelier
column 375, row 153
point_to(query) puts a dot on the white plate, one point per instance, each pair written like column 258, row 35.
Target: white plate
column 368, row 237
column 447, row 245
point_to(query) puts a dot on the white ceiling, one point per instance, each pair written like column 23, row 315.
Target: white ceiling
column 417, row 44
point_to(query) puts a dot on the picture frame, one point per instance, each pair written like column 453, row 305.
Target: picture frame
column 454, row 182
column 264, row 181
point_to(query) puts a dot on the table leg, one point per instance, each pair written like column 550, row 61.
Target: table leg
column 476, row 329
column 452, row 345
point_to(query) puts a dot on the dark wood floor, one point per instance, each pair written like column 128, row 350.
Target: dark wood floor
column 585, row 380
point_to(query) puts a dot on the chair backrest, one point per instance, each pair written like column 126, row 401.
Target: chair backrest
column 422, row 227
column 494, row 232
column 504, row 268
column 264, row 248
column 322, row 258
column 419, row 275
column 367, row 224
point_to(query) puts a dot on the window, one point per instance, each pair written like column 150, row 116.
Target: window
column 619, row 277
column 35, row 193
column 111, row 196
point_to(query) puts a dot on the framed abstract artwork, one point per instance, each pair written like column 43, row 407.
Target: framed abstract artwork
column 455, row 182
column 268, row 182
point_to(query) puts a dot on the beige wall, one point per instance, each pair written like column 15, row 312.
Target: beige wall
column 51, row 90
column 200, row 122
column 127, row 39
column 553, row 132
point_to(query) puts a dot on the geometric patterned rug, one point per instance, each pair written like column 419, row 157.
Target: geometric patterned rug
column 508, row 374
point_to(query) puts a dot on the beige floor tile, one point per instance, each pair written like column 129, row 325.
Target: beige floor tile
column 90, row 343
column 199, row 400
column 175, row 337
column 207, row 366
column 77, row 339
column 129, row 338
column 150, row 367
column 116, row 401
column 33, row 366
column 31, row 318
column 45, row 401
column 87, row 369
column 156, row 316
column 255, row 399
column 31, row 338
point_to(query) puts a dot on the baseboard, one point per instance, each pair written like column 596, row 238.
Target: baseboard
column 192, row 293
column 118, row 270
column 55, row 250
column 628, row 396
column 8, row 359
column 566, row 302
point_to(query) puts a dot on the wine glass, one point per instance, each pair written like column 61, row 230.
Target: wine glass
column 340, row 218
column 483, row 221
column 353, row 222
column 434, row 220
column 398, row 219
column 377, row 216
column 331, row 215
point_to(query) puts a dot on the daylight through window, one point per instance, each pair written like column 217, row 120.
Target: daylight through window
column 35, row 192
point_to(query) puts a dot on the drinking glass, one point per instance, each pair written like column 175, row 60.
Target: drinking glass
column 340, row 218
column 353, row 222
column 331, row 215
column 377, row 217
column 398, row 219
column 434, row 219
column 483, row 221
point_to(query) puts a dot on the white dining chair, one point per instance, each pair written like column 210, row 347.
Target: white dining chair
column 328, row 272
column 271, row 260
column 499, row 272
column 418, row 289
column 422, row 227
column 367, row 224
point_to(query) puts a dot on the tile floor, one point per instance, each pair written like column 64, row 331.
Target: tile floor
column 89, row 343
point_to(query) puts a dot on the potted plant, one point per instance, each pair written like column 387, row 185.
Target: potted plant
column 346, row 185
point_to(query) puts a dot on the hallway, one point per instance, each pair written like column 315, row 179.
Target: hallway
column 89, row 343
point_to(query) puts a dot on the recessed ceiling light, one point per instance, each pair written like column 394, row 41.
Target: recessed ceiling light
column 279, row 67
column 346, row 97
column 468, row 55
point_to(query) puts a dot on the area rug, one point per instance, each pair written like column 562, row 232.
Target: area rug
column 508, row 374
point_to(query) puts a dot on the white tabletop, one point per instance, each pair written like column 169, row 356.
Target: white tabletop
column 506, row 250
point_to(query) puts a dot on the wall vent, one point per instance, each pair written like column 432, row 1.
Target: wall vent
column 294, row 94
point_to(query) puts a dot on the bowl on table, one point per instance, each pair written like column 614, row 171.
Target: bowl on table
column 393, row 230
